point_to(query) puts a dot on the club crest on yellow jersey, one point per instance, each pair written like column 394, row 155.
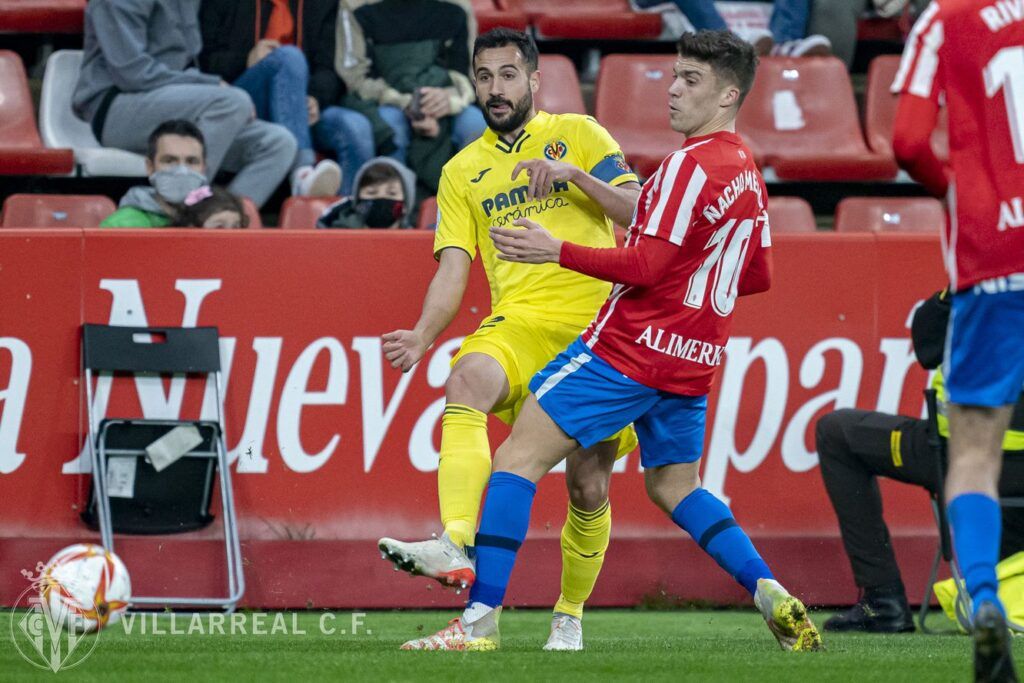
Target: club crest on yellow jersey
column 556, row 150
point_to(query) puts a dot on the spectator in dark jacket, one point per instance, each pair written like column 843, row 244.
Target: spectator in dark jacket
column 282, row 53
column 406, row 62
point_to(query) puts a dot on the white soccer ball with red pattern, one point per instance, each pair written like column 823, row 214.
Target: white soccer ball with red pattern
column 85, row 588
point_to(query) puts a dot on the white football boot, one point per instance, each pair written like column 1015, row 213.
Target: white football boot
column 475, row 631
column 786, row 617
column 439, row 558
column 566, row 634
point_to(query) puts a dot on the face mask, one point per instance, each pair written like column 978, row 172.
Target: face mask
column 174, row 184
column 381, row 213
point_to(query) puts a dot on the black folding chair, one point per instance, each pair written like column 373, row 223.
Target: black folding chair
column 177, row 498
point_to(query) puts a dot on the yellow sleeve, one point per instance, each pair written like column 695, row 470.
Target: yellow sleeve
column 601, row 155
column 455, row 227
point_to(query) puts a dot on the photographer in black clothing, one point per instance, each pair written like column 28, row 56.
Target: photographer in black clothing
column 857, row 446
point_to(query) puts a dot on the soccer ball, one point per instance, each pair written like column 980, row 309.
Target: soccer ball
column 84, row 588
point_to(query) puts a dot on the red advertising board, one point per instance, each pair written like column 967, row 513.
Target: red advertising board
column 332, row 448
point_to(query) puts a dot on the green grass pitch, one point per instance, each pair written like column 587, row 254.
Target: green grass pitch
column 620, row 644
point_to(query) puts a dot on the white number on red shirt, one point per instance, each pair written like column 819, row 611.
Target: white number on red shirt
column 728, row 249
column 1005, row 71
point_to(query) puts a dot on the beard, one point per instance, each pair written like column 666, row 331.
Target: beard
column 516, row 116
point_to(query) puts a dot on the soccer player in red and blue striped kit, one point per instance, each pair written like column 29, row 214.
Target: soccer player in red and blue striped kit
column 971, row 54
column 698, row 239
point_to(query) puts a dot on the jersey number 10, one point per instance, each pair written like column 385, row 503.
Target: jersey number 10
column 1006, row 71
column 728, row 251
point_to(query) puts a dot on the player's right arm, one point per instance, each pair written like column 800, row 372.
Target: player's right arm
column 918, row 83
column 404, row 348
column 454, row 248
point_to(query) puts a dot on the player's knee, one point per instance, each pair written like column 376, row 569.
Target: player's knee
column 828, row 432
column 473, row 385
column 588, row 494
column 667, row 488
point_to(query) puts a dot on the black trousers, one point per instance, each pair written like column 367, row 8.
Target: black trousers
column 857, row 446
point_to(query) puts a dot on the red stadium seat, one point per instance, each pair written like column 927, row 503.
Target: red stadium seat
column 489, row 16
column 42, row 16
column 790, row 214
column 587, row 19
column 888, row 214
column 880, row 110
column 55, row 211
column 559, row 86
column 428, row 214
column 21, row 150
column 631, row 101
column 800, row 118
column 255, row 222
column 301, row 213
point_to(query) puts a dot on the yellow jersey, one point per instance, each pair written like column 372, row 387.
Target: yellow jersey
column 477, row 191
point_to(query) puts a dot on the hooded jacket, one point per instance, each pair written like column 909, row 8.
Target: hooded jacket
column 138, row 208
column 137, row 46
column 344, row 214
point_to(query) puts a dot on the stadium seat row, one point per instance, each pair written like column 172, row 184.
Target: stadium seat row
column 787, row 214
column 570, row 19
column 42, row 16
column 800, row 119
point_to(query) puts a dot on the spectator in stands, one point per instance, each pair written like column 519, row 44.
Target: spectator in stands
column 837, row 20
column 786, row 35
column 384, row 198
column 857, row 446
column 282, row 53
column 176, row 163
column 211, row 207
column 406, row 65
column 139, row 70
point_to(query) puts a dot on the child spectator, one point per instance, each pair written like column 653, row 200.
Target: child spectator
column 385, row 191
column 212, row 207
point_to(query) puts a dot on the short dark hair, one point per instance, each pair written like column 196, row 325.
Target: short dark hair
column 502, row 37
column 731, row 58
column 380, row 172
column 185, row 129
column 219, row 199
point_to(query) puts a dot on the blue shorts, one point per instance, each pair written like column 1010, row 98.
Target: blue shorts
column 590, row 400
column 984, row 364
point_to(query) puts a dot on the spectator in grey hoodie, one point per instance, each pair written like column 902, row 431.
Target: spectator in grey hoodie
column 139, row 70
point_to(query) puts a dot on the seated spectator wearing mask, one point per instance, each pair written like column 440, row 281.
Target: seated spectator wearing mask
column 855, row 447
column 139, row 68
column 384, row 198
column 211, row 207
column 176, row 163
column 282, row 54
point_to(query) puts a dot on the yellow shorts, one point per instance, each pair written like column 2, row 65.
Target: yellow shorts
column 522, row 345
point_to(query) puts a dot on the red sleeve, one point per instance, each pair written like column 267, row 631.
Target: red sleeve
column 757, row 276
column 919, row 83
column 912, row 142
column 638, row 266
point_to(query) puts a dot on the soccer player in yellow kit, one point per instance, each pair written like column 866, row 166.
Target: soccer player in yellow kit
column 568, row 171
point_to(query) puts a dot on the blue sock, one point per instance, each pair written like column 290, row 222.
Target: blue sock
column 712, row 525
column 976, row 523
column 503, row 526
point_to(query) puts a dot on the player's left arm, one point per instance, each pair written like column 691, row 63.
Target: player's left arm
column 617, row 201
column 601, row 171
column 757, row 276
column 640, row 265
